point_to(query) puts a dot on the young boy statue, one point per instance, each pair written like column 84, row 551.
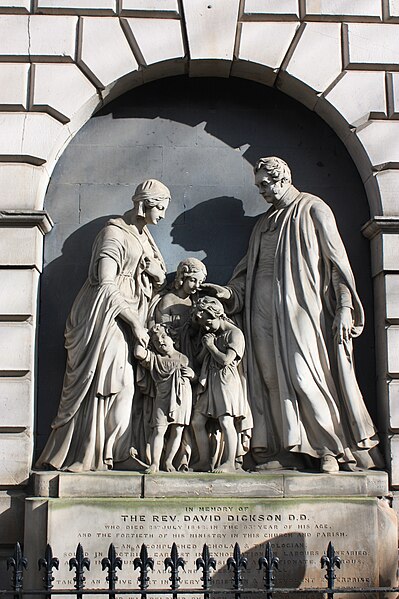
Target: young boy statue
column 172, row 407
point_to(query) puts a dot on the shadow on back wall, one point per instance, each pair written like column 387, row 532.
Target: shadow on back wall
column 201, row 138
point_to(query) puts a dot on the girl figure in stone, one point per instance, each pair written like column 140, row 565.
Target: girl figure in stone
column 98, row 422
column 223, row 394
column 173, row 396
column 174, row 307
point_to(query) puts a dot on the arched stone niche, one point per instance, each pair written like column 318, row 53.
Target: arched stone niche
column 201, row 137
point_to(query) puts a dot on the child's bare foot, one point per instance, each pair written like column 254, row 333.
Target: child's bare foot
column 152, row 469
column 169, row 467
column 225, row 468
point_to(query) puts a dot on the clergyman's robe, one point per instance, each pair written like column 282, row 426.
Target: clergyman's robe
column 321, row 407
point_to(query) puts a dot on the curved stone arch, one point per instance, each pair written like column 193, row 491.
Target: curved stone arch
column 74, row 63
column 65, row 95
column 358, row 142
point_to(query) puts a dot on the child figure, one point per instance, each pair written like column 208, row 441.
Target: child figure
column 223, row 396
column 174, row 306
column 173, row 399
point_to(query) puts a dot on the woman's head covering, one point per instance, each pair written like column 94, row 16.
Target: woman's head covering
column 148, row 194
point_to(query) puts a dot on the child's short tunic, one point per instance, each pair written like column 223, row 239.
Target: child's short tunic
column 173, row 399
column 223, row 389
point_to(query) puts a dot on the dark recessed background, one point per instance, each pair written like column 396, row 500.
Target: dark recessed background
column 200, row 137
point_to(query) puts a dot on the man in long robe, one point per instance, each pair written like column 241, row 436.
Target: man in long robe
column 297, row 298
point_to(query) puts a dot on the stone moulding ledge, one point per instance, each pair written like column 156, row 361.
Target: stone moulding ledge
column 380, row 224
column 284, row 484
column 26, row 218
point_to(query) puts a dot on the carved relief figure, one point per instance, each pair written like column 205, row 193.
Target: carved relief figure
column 300, row 310
column 173, row 398
column 95, row 427
column 222, row 397
column 174, row 306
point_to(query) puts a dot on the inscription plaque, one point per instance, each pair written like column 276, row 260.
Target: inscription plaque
column 299, row 531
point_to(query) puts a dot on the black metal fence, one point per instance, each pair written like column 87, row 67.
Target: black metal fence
column 174, row 564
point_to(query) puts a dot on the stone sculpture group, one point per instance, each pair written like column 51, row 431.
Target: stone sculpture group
column 255, row 375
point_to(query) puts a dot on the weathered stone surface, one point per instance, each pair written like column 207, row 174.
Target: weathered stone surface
column 384, row 250
column 386, row 182
column 21, row 247
column 393, row 8
column 357, row 95
column 265, row 44
column 12, row 516
column 52, row 37
column 395, row 92
column 393, row 349
column 211, row 31
column 45, row 484
column 392, row 297
column 62, row 90
column 87, row 485
column 362, row 484
column 105, row 51
column 150, row 6
column 29, row 137
column 167, row 32
column 13, row 85
column 342, row 8
column 393, row 398
column 77, row 6
column 16, row 348
column 283, row 8
column 15, row 5
column 299, row 532
column 14, row 39
column 38, row 36
column 393, row 452
column 18, row 292
column 324, row 41
column 19, row 446
column 22, row 186
column 287, row 484
column 380, row 139
column 210, row 485
column 370, row 43
column 16, row 403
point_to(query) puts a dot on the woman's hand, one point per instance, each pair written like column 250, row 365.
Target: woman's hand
column 154, row 269
column 343, row 323
column 141, row 335
column 222, row 293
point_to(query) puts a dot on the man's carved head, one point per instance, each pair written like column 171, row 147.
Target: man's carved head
column 272, row 177
column 277, row 168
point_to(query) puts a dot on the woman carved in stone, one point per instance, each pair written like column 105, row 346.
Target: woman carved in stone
column 94, row 426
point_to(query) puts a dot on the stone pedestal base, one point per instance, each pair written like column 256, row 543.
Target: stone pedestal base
column 299, row 513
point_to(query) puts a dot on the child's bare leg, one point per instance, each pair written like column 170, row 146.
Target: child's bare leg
column 173, row 445
column 230, row 443
column 157, row 441
column 201, row 438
